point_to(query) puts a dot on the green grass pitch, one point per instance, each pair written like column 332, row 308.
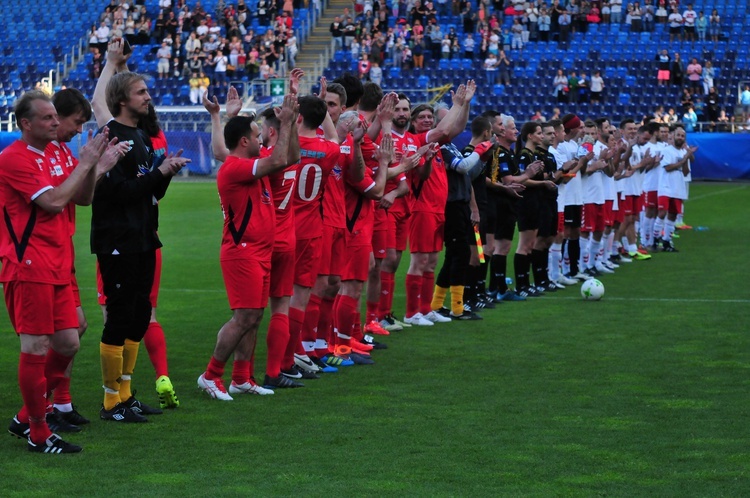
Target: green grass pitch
column 644, row 393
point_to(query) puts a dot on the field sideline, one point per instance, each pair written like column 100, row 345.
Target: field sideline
column 642, row 394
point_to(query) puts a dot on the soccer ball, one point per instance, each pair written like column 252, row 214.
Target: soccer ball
column 592, row 290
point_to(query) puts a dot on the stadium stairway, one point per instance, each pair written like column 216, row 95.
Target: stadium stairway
column 319, row 40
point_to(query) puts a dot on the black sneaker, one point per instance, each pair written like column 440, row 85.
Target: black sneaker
column 139, row 408
column 368, row 339
column 550, row 287
column 297, row 373
column 466, row 315
column 527, row 292
column 280, row 382
column 57, row 424
column 668, row 247
column 121, row 413
column 361, row 359
column 72, row 417
column 489, row 303
column 318, row 362
column 443, row 311
column 53, row 445
column 19, row 429
column 540, row 289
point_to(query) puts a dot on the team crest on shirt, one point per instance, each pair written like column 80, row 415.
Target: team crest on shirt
column 409, row 139
column 345, row 149
column 266, row 196
column 336, row 172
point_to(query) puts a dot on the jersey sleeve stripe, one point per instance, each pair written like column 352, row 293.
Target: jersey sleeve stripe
column 41, row 191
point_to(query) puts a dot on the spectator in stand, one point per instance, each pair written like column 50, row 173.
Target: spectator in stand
column 220, row 69
column 561, row 86
column 538, row 116
column 675, row 25
column 648, row 16
column 469, row 46
column 708, row 77
column 701, row 26
column 349, row 30
column 583, row 88
column 606, row 12
column 712, row 105
column 364, row 68
column 504, row 67
column 661, row 13
column 670, row 117
column 102, row 36
column 714, row 25
column 517, row 34
column 687, row 99
column 664, row 65
column 95, row 68
column 573, row 87
column 417, row 50
column 694, row 74
column 555, row 114
column 376, row 74
column 445, row 47
column 164, row 55
column 689, row 17
column 690, row 119
column 490, row 65
column 597, row 87
column 677, row 71
column 564, row 36
column 594, row 16
column 337, row 33
column 615, row 7
column 197, row 87
column 636, row 18
column 544, row 24
column 722, row 121
column 532, row 14
column 745, row 102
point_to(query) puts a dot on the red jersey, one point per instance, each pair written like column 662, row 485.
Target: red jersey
column 34, row 243
column 249, row 217
column 334, row 207
column 360, row 215
column 317, row 159
column 60, row 154
column 429, row 195
column 159, row 143
column 282, row 187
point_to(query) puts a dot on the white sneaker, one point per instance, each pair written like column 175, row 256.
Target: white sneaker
column 418, row 319
column 248, row 388
column 436, row 317
column 603, row 269
column 610, row 265
column 391, row 327
column 558, row 285
column 581, row 276
column 625, row 259
column 214, row 388
column 304, row 362
column 566, row 280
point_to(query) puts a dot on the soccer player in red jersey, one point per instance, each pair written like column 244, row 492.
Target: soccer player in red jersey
column 429, row 188
column 154, row 339
column 318, row 157
column 73, row 111
column 36, row 258
column 246, row 250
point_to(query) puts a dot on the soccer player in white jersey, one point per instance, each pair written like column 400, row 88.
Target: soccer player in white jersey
column 675, row 166
column 656, row 144
column 630, row 177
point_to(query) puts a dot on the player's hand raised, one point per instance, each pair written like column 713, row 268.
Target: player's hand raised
column 384, row 154
column 234, row 102
column 212, row 106
column 294, row 78
column 288, row 109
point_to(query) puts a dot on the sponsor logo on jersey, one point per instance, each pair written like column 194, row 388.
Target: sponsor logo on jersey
column 336, row 172
column 266, row 196
column 345, row 149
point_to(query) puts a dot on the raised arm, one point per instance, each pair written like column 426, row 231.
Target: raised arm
column 286, row 114
column 218, row 147
column 117, row 62
column 455, row 120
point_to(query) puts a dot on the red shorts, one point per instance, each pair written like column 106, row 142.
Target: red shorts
column 358, row 264
column 426, row 234
column 608, row 213
column 307, row 261
column 247, row 282
column 560, row 222
column 652, row 199
column 630, row 205
column 662, row 75
column 153, row 297
column 398, row 229
column 333, row 251
column 379, row 243
column 670, row 204
column 76, row 291
column 593, row 218
column 282, row 274
column 40, row 309
column 619, row 215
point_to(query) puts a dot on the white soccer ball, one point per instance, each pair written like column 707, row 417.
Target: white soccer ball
column 592, row 290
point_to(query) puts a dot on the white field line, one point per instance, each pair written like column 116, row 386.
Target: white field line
column 719, row 192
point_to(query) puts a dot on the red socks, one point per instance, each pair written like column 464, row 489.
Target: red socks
column 156, row 346
column 241, row 371
column 62, row 392
column 312, row 315
column 276, row 340
column 425, row 298
column 372, row 312
column 33, row 386
column 296, row 320
column 54, row 368
column 387, row 284
column 344, row 319
column 413, row 290
column 324, row 325
column 215, row 369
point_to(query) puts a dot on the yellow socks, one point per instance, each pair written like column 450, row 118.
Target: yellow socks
column 129, row 356
column 457, row 299
column 438, row 297
column 111, row 358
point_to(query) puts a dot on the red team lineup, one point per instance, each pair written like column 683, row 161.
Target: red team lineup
column 320, row 197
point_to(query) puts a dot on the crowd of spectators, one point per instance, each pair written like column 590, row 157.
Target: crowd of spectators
column 194, row 44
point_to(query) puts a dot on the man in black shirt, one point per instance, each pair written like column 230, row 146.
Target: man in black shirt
column 123, row 237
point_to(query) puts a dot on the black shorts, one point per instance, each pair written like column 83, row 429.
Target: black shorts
column 547, row 217
column 689, row 29
column 488, row 219
column 505, row 219
column 573, row 216
column 675, row 31
column 458, row 229
column 528, row 212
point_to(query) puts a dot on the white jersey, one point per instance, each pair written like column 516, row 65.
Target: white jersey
column 560, row 159
column 593, row 184
column 573, row 192
column 651, row 178
column 633, row 185
column 672, row 183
